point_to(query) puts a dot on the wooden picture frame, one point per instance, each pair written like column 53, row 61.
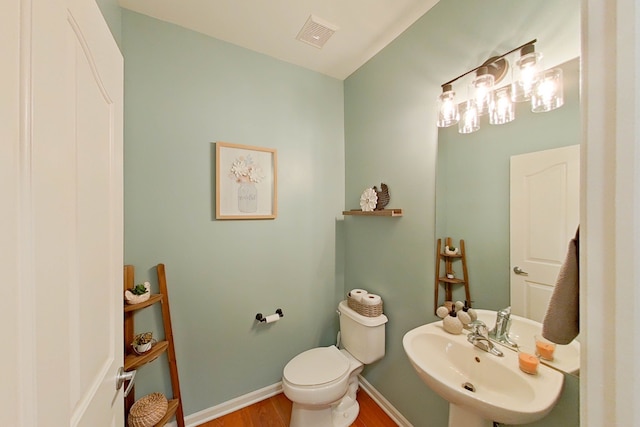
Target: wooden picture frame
column 246, row 182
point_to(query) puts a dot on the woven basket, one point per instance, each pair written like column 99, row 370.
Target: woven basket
column 148, row 410
column 364, row 309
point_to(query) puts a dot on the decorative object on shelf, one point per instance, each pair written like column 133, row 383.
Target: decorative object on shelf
column 383, row 196
column 140, row 293
column 148, row 410
column 246, row 182
column 442, row 312
column 451, row 276
column 373, row 203
column 143, row 342
column 451, row 250
column 368, row 200
column 543, row 88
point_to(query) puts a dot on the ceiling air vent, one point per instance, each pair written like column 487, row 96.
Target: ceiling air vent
column 316, row 32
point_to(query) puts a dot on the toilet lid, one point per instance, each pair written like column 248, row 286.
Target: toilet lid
column 316, row 366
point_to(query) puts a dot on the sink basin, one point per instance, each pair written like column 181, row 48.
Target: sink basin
column 566, row 357
column 482, row 385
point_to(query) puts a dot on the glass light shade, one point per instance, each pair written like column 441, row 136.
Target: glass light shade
column 525, row 73
column 469, row 118
column 548, row 92
column 502, row 109
column 448, row 113
column 481, row 90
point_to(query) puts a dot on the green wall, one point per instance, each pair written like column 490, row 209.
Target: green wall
column 183, row 92
column 472, row 193
column 391, row 136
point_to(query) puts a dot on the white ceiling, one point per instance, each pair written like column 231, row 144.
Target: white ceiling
column 271, row 26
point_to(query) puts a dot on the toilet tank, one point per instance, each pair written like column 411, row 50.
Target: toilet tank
column 363, row 337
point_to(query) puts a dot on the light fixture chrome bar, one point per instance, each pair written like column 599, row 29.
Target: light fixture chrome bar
column 493, row 59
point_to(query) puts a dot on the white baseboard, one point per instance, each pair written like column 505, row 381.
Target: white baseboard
column 240, row 402
column 229, row 406
column 383, row 403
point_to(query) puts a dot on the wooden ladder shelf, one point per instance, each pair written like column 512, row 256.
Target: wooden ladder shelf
column 448, row 270
column 134, row 361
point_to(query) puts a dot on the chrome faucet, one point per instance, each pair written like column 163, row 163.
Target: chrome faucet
column 479, row 337
column 500, row 331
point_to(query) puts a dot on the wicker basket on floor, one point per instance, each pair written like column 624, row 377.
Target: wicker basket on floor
column 148, row 410
column 364, row 309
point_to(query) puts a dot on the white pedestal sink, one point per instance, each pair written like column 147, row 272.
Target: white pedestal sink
column 480, row 387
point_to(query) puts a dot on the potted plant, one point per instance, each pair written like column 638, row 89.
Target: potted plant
column 138, row 294
column 450, row 250
column 142, row 342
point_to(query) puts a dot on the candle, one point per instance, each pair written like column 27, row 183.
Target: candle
column 544, row 348
column 528, row 362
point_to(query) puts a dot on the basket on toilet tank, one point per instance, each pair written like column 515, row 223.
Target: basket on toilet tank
column 368, row 310
column 362, row 336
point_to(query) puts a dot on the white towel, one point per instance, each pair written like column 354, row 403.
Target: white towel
column 561, row 323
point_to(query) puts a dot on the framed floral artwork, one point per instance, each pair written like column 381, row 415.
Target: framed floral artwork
column 246, row 182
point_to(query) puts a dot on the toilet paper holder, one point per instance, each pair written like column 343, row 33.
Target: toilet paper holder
column 271, row 318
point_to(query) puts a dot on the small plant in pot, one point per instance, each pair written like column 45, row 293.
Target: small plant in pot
column 450, row 250
column 142, row 342
column 138, row 293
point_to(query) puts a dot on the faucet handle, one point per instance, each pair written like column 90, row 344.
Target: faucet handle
column 505, row 311
column 478, row 327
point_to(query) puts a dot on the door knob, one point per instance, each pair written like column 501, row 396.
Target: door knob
column 520, row 271
column 123, row 376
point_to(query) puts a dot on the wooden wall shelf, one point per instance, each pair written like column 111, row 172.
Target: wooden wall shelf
column 171, row 410
column 383, row 212
column 133, row 360
column 448, row 260
column 152, row 300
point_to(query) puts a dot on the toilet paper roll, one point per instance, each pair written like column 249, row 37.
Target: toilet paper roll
column 371, row 299
column 358, row 294
column 272, row 318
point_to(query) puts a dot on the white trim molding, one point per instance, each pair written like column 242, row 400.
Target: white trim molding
column 248, row 399
column 383, row 403
column 610, row 214
column 230, row 406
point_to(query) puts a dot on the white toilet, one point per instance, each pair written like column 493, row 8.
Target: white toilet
column 322, row 382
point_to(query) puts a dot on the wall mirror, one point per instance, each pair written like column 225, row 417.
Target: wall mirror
column 473, row 188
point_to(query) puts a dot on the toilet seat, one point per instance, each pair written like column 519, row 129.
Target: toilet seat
column 316, row 367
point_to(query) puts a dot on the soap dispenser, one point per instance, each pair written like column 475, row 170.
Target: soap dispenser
column 462, row 313
column 451, row 323
column 472, row 313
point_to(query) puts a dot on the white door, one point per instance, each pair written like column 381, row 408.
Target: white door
column 67, row 198
column 545, row 212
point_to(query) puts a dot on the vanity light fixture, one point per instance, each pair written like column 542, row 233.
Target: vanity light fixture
column 547, row 93
column 469, row 119
column 544, row 89
column 481, row 90
column 448, row 113
column 525, row 71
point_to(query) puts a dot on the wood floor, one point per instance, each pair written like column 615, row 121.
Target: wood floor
column 276, row 412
